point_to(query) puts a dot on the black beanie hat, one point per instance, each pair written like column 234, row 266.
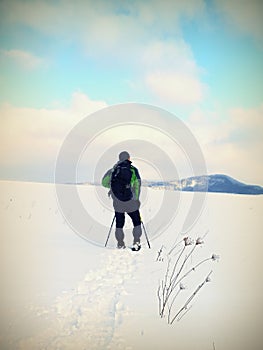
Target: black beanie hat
column 124, row 156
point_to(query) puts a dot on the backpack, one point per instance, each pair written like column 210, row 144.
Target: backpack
column 121, row 182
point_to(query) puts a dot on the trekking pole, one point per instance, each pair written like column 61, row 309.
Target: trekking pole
column 110, row 230
column 146, row 235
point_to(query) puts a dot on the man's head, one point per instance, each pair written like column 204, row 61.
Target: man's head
column 124, row 156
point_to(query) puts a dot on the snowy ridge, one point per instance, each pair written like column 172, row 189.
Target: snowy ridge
column 88, row 317
column 208, row 183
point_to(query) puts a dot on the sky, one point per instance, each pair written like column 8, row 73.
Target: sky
column 199, row 60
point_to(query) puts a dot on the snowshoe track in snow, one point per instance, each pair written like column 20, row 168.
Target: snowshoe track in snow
column 87, row 317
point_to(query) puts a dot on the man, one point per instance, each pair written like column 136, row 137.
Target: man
column 125, row 183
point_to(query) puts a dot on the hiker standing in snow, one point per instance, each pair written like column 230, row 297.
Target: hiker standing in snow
column 124, row 182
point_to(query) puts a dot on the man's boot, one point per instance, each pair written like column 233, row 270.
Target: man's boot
column 137, row 232
column 119, row 234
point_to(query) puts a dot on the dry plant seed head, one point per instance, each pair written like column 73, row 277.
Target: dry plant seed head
column 215, row 257
column 182, row 286
column 199, row 241
column 188, row 241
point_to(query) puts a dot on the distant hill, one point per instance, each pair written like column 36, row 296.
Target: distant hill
column 210, row 183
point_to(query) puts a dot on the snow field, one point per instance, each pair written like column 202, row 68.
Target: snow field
column 60, row 292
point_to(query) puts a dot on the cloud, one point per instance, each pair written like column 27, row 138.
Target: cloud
column 24, row 59
column 107, row 30
column 232, row 145
column 31, row 138
column 175, row 87
column 112, row 19
column 143, row 36
column 171, row 73
column 80, row 103
column 246, row 16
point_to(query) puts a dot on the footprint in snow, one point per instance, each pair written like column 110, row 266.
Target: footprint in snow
column 87, row 317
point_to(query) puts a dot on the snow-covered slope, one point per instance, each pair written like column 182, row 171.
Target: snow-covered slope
column 219, row 183
column 58, row 291
column 210, row 183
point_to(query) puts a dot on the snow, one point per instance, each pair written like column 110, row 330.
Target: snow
column 59, row 291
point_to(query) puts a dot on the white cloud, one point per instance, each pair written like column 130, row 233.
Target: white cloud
column 172, row 74
column 80, row 103
column 30, row 139
column 175, row 87
column 24, row 58
column 233, row 145
column 33, row 136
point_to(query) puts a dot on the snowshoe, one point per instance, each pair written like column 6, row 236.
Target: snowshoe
column 136, row 247
column 121, row 246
